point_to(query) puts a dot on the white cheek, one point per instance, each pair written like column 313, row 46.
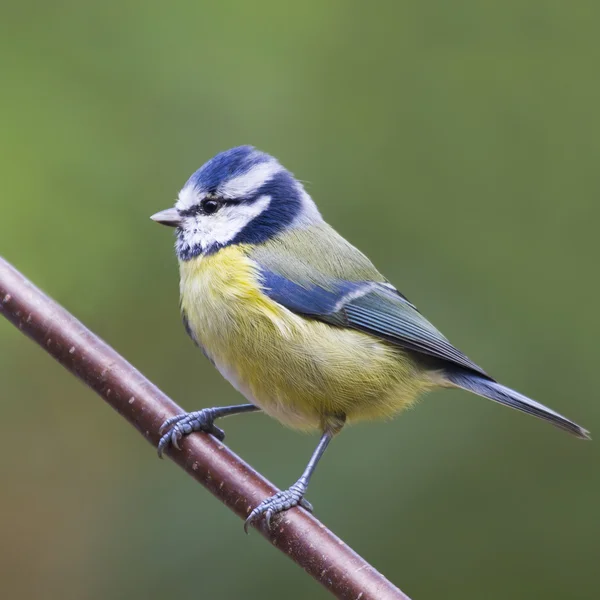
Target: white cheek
column 222, row 227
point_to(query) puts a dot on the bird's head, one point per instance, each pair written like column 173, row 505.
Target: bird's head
column 239, row 196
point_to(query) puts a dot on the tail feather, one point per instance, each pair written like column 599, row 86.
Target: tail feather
column 504, row 395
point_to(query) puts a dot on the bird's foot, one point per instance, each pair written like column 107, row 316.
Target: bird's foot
column 281, row 501
column 186, row 423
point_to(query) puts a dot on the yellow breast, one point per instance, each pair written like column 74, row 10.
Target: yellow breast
column 303, row 372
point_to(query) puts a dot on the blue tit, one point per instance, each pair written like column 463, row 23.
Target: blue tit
column 297, row 319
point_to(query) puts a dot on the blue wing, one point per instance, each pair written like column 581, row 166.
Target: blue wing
column 335, row 283
column 373, row 307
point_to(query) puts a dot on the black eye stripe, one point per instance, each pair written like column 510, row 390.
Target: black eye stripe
column 201, row 208
column 189, row 212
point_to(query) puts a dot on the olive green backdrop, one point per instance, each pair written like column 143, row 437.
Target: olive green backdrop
column 457, row 143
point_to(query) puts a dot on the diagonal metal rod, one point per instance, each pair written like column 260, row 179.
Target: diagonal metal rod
column 298, row 535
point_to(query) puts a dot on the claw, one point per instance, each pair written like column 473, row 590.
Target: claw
column 184, row 424
column 268, row 516
column 172, row 420
column 280, row 502
column 218, row 433
column 161, row 446
column 306, row 505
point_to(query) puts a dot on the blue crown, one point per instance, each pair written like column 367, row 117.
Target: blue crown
column 227, row 165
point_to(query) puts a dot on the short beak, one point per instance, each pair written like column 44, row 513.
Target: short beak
column 169, row 217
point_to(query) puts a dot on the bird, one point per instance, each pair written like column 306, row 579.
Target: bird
column 298, row 320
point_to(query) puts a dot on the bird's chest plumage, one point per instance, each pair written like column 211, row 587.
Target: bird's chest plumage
column 239, row 328
column 225, row 307
column 300, row 371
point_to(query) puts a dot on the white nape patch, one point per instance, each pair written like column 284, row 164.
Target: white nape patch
column 309, row 213
column 221, row 227
column 249, row 183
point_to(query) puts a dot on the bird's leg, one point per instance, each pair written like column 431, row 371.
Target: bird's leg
column 200, row 420
column 294, row 495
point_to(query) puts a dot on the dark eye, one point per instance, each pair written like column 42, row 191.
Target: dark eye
column 210, row 206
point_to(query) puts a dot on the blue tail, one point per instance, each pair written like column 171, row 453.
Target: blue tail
column 500, row 393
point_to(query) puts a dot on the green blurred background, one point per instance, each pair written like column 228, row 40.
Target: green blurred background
column 456, row 143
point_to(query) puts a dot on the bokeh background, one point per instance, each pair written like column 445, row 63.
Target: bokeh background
column 457, row 143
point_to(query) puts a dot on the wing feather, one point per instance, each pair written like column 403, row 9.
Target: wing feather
column 374, row 307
